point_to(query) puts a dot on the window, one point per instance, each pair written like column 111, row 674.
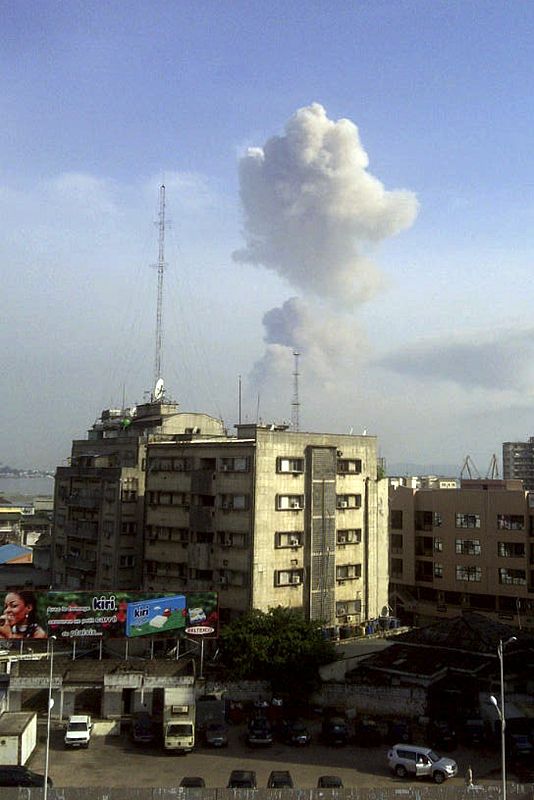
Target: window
column 438, row 570
column 510, row 522
column 236, row 464
column 424, row 545
column 128, row 495
column 468, row 520
column 232, row 539
column 438, row 545
column 108, row 527
column 464, row 573
column 129, row 527
column 290, row 465
column 344, row 501
column 437, row 519
column 424, row 571
column 396, row 542
column 127, row 561
column 348, row 572
column 349, row 466
column 288, row 577
column 289, row 539
column 289, row 502
column 511, row 549
column 396, row 567
column 424, row 520
column 345, row 607
column 468, row 547
column 514, row 577
column 396, row 519
column 349, row 536
column 232, row 577
column 234, row 502
column 158, row 498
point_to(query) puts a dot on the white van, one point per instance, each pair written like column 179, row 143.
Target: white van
column 410, row 759
column 78, row 733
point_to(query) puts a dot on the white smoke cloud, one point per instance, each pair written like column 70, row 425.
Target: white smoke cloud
column 326, row 343
column 311, row 207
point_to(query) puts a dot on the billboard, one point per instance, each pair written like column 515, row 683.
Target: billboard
column 117, row 615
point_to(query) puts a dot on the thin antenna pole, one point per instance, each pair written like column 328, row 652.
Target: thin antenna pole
column 239, row 400
column 161, row 269
column 295, row 403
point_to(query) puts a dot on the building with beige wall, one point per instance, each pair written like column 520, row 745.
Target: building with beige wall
column 270, row 517
column 465, row 548
column 97, row 539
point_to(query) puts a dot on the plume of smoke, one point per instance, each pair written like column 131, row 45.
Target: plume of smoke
column 326, row 342
column 311, row 207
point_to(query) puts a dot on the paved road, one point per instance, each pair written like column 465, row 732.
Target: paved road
column 115, row 761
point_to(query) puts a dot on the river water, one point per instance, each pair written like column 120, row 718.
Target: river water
column 27, row 487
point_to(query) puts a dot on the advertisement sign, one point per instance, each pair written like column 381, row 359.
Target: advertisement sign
column 78, row 615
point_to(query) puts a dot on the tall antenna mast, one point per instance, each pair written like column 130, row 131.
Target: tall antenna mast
column 161, row 269
column 295, row 403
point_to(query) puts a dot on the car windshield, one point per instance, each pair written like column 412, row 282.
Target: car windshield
column 78, row 726
column 180, row 730
column 433, row 756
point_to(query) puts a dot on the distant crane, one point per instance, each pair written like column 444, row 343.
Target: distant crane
column 471, row 469
column 493, row 469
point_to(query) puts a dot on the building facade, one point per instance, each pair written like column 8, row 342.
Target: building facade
column 99, row 498
column 466, row 548
column 268, row 518
column 518, row 462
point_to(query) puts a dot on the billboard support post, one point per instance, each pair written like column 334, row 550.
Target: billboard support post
column 74, row 649
column 126, row 649
column 101, row 642
column 152, row 648
column 201, row 658
column 177, row 649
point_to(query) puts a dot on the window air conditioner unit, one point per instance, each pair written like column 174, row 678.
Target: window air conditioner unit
column 295, row 504
column 295, row 579
column 294, row 541
column 225, row 468
column 341, row 611
column 223, row 580
column 351, row 618
column 343, row 504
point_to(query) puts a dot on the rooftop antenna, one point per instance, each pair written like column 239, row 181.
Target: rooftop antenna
column 295, row 403
column 239, row 400
column 161, row 269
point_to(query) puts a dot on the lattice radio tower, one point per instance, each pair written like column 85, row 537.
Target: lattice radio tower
column 295, row 403
column 161, row 269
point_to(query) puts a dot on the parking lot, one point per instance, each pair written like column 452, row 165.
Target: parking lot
column 115, row 761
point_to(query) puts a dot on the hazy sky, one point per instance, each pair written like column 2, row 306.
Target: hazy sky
column 352, row 179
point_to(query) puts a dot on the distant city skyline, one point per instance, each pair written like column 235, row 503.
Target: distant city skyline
column 354, row 182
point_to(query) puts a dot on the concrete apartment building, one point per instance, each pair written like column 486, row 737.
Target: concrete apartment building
column 99, row 498
column 466, row 548
column 267, row 518
column 518, row 462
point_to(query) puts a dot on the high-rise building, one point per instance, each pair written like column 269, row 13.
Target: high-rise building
column 167, row 501
column 270, row 517
column 518, row 462
column 465, row 548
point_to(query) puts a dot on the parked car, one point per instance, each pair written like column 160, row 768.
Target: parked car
column 335, row 731
column 399, row 730
column 280, row 779
column 329, row 782
column 242, row 779
column 193, row 782
column 442, row 734
column 21, row 776
column 78, row 733
column 143, row 729
column 367, row 733
column 259, row 732
column 411, row 760
column 216, row 734
column 294, row 732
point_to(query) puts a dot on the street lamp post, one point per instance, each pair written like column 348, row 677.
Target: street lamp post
column 500, row 711
column 51, row 641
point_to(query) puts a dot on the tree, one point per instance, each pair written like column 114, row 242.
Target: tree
column 280, row 646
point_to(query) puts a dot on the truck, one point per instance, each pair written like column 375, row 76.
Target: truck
column 179, row 712
column 78, row 733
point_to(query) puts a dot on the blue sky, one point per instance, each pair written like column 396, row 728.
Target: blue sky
column 102, row 101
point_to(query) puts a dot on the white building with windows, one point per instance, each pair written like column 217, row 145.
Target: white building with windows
column 267, row 518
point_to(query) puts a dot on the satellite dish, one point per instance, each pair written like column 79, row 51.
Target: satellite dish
column 158, row 389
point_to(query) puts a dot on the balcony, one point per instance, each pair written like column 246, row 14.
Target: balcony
column 81, row 564
column 82, row 529
column 79, row 500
